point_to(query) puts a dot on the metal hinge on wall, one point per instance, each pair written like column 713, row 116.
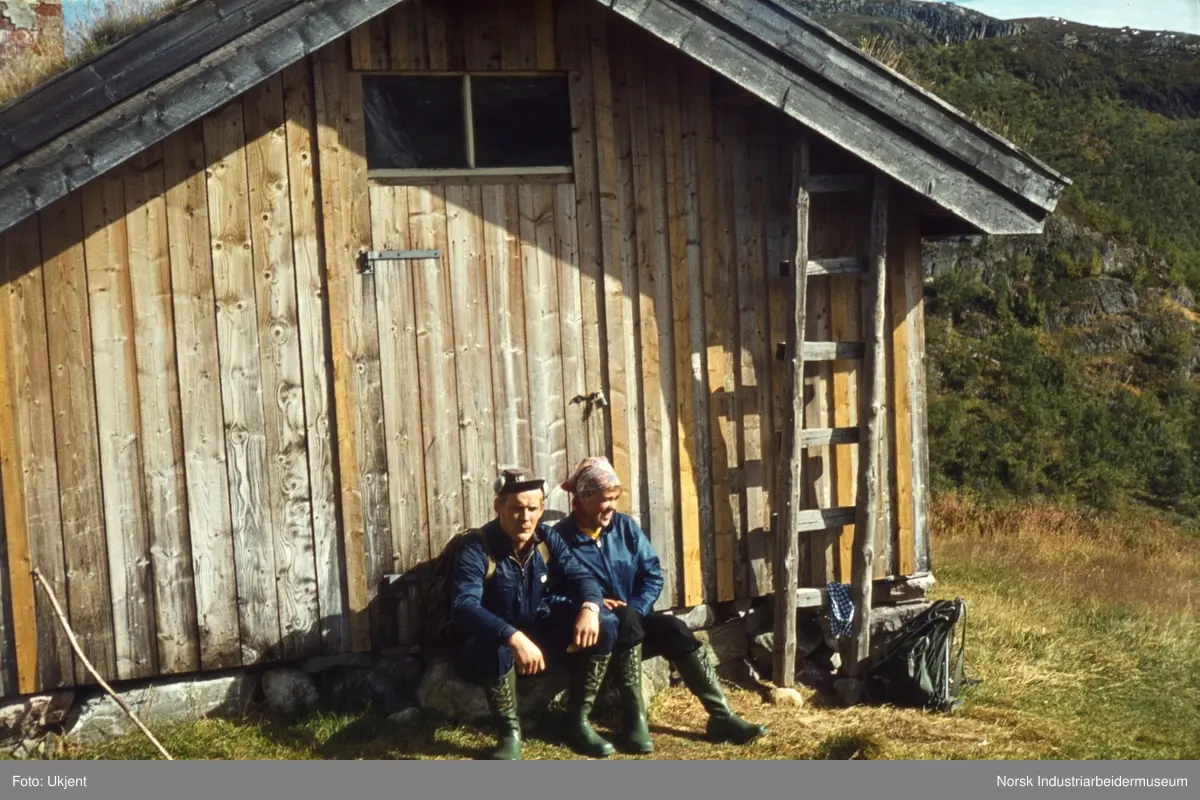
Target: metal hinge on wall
column 366, row 261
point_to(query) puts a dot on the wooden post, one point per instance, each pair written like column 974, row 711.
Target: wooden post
column 870, row 453
column 787, row 528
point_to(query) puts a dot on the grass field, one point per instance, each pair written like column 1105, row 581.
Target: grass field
column 1082, row 628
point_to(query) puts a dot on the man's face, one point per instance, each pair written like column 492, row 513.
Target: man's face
column 519, row 514
column 596, row 510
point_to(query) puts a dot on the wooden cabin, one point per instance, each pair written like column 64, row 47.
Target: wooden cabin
column 284, row 284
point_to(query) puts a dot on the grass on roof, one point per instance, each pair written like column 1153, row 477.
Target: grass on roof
column 98, row 30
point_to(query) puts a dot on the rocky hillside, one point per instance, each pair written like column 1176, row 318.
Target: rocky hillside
column 916, row 23
column 1064, row 364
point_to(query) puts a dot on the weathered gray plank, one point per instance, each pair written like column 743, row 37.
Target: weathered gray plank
column 823, row 437
column 241, row 383
column 115, row 364
column 832, row 351
column 73, row 384
column 835, row 266
column 164, row 482
column 198, row 364
column 314, row 339
column 290, row 500
column 472, row 348
column 33, row 182
column 823, row 519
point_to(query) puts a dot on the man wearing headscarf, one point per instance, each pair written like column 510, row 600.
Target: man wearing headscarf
column 613, row 547
column 504, row 586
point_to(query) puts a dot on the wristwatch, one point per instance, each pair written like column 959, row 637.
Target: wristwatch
column 590, row 605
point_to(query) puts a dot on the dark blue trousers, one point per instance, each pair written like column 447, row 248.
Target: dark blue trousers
column 485, row 661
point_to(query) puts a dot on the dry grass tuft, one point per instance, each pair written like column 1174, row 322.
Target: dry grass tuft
column 19, row 75
column 101, row 27
column 883, row 49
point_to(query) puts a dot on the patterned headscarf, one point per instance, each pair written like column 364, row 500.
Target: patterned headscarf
column 593, row 475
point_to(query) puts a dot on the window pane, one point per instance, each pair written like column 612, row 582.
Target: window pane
column 414, row 122
column 521, row 122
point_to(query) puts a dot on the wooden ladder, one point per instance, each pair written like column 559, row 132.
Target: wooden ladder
column 793, row 520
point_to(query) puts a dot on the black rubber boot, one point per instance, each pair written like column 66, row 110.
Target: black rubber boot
column 635, row 729
column 701, row 680
column 502, row 699
column 587, row 673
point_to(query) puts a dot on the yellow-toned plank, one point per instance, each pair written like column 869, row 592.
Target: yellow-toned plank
column 31, row 495
column 591, row 272
column 684, row 273
column 607, row 176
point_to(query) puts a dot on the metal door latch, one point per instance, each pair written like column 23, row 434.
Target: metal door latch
column 366, row 260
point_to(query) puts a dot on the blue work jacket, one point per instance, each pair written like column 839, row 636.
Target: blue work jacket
column 622, row 560
column 516, row 594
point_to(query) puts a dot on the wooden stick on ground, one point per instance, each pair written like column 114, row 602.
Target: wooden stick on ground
column 37, row 576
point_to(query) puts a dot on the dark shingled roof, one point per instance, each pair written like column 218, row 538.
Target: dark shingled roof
column 84, row 122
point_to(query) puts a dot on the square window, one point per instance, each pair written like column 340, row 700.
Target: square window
column 415, row 122
column 521, row 121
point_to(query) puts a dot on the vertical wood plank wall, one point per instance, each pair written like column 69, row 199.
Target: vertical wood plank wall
column 165, row 435
column 218, row 436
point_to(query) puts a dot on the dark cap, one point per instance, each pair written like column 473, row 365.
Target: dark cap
column 514, row 480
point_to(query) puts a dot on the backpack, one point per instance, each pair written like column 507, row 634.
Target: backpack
column 437, row 624
column 914, row 669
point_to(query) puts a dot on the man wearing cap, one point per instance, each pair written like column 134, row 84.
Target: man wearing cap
column 502, row 586
column 613, row 547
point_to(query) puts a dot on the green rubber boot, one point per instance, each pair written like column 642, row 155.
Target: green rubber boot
column 701, row 680
column 587, row 673
column 635, row 731
column 502, row 699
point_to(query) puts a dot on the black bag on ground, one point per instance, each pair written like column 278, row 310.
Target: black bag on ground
column 914, row 669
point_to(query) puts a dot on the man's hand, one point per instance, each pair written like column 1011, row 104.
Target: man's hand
column 611, row 604
column 528, row 655
column 587, row 628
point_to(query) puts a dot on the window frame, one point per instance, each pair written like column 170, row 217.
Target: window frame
column 540, row 174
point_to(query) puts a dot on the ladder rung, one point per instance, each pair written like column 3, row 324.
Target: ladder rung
column 833, row 351
column 826, row 184
column 822, row 519
column 819, row 437
column 836, row 266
